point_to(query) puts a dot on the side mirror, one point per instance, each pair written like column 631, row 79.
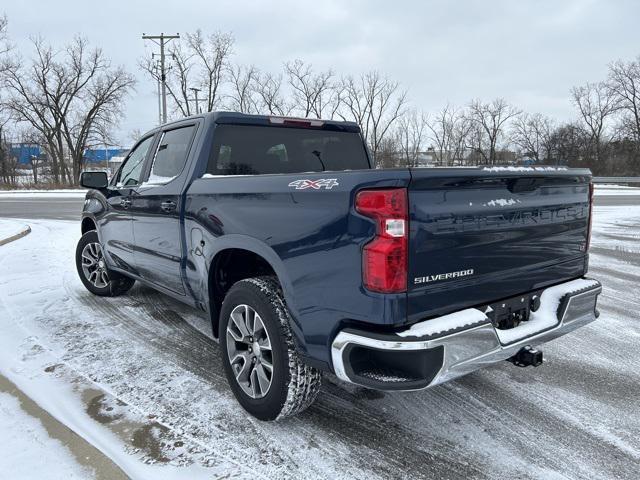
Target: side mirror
column 97, row 180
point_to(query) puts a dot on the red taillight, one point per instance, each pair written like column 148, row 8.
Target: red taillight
column 384, row 259
column 586, row 249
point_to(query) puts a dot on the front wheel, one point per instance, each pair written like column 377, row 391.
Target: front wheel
column 264, row 370
column 93, row 271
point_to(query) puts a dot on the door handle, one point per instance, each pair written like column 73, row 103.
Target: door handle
column 125, row 203
column 168, row 206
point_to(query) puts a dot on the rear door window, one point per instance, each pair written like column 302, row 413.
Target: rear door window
column 171, row 154
column 253, row 150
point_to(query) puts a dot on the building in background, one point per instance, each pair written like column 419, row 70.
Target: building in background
column 101, row 155
column 105, row 159
column 24, row 152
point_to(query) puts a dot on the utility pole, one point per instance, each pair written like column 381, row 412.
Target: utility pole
column 197, row 100
column 156, row 67
column 162, row 40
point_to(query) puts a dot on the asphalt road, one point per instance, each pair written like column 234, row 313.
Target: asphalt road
column 71, row 208
column 64, row 208
column 574, row 417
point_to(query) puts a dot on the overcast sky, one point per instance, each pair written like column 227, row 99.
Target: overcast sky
column 529, row 52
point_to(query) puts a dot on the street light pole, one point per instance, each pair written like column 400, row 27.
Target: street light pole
column 197, row 100
column 162, row 40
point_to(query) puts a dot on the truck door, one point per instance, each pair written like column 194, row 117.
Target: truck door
column 115, row 227
column 155, row 211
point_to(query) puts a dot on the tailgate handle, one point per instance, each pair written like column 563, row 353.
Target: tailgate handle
column 527, row 184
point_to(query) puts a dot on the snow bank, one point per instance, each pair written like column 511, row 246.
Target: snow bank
column 11, row 230
column 27, row 449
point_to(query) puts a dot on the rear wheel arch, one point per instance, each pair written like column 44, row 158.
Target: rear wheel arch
column 228, row 267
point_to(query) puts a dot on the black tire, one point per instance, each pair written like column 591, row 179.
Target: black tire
column 294, row 385
column 114, row 283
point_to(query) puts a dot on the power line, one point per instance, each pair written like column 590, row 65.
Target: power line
column 162, row 40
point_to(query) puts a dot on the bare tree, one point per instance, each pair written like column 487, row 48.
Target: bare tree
column 213, row 52
column 477, row 144
column 5, row 45
column 568, row 143
column 411, row 134
column 5, row 48
column 313, row 94
column 179, row 76
column 462, row 129
column 595, row 103
column 268, row 88
column 30, row 137
column 375, row 103
column 67, row 96
column 8, row 163
column 449, row 130
column 201, row 61
column 243, row 96
column 624, row 84
column 135, row 135
column 491, row 119
column 29, row 102
column 532, row 134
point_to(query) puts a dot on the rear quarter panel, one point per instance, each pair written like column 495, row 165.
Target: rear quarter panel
column 312, row 239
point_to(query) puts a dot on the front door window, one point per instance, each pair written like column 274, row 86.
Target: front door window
column 131, row 172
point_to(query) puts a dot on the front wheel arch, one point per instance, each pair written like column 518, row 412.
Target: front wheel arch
column 88, row 225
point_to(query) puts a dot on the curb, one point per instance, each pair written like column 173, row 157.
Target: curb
column 26, row 231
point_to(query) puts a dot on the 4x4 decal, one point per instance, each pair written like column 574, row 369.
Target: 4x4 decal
column 326, row 183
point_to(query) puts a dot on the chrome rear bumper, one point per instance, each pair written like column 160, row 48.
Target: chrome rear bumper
column 441, row 349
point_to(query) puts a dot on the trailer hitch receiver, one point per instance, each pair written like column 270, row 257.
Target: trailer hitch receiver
column 527, row 356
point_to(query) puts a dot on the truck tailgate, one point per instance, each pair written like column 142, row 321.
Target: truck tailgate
column 478, row 235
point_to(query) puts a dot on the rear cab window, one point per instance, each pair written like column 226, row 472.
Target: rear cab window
column 258, row 150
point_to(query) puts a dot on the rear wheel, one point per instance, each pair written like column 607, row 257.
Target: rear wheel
column 93, row 271
column 262, row 366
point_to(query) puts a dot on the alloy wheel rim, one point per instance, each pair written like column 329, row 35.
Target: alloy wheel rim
column 93, row 266
column 249, row 351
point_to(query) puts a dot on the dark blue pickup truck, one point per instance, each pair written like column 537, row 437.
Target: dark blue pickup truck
column 309, row 260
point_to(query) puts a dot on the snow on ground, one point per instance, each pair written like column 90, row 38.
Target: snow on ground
column 137, row 378
column 27, row 449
